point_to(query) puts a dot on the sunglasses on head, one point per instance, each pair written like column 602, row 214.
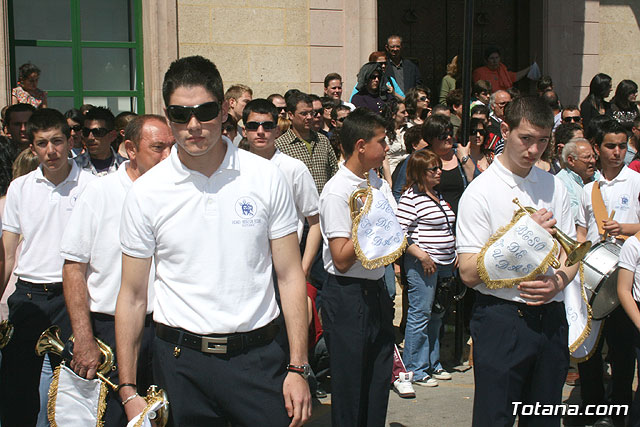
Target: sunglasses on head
column 268, row 125
column 203, row 112
column 569, row 119
column 97, row 132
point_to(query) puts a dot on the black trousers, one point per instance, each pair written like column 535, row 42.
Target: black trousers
column 618, row 330
column 204, row 389
column 358, row 329
column 520, row 354
column 32, row 309
column 104, row 328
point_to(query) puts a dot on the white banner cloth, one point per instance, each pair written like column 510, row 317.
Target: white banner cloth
column 75, row 401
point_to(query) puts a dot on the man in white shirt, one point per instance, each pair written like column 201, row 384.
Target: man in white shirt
column 260, row 119
column 93, row 258
column 218, row 221
column 37, row 209
column 620, row 190
column 520, row 334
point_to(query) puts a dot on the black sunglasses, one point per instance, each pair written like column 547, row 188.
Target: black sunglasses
column 569, row 119
column 341, row 119
column 203, row 112
column 269, row 125
column 434, row 169
column 478, row 131
column 76, row 128
column 281, row 109
column 447, row 134
column 97, row 132
column 318, row 112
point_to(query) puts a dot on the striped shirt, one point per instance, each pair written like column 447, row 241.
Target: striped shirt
column 425, row 223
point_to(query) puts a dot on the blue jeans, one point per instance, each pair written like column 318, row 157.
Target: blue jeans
column 421, row 338
column 46, row 376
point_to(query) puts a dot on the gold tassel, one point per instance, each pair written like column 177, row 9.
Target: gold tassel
column 102, row 403
column 152, row 401
column 587, row 330
column 53, row 393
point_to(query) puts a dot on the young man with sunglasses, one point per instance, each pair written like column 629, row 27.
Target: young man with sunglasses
column 37, row 209
column 302, row 143
column 219, row 222
column 571, row 114
column 98, row 133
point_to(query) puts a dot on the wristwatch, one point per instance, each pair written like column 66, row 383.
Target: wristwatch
column 464, row 159
column 304, row 370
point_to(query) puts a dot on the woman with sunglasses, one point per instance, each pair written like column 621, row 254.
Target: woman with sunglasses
column 623, row 104
column 417, row 103
column 429, row 222
column 594, row 104
column 457, row 170
column 368, row 93
column 74, row 119
column 478, row 153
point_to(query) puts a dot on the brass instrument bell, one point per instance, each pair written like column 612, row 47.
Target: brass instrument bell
column 6, row 332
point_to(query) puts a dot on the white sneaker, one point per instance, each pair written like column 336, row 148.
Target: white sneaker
column 403, row 385
column 427, row 382
column 442, row 375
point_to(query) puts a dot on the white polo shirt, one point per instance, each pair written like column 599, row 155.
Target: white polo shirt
column 335, row 216
column 210, row 238
column 39, row 211
column 630, row 260
column 92, row 237
column 620, row 194
column 486, row 205
column 301, row 184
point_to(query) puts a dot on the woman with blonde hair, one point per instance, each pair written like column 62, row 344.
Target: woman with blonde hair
column 449, row 81
column 25, row 163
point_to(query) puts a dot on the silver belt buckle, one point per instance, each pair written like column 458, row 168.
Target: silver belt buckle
column 214, row 345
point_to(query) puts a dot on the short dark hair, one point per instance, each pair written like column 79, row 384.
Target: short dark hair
column 412, row 136
column 531, row 108
column 434, row 126
column 230, row 124
column 331, row 76
column 360, row 124
column 314, row 97
column 17, row 108
column 480, row 109
column 101, row 113
column 290, row 92
column 341, row 107
column 44, row 119
column 133, row 129
column 454, row 97
column 491, row 49
column 439, row 108
column 192, row 71
column 295, row 98
column 571, row 107
column 328, row 102
column 26, row 70
column 594, row 127
column 564, row 132
column 260, row 106
column 609, row 126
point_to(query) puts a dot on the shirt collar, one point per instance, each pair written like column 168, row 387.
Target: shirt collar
column 622, row 176
column 72, row 177
column 574, row 176
column 354, row 179
column 123, row 175
column 231, row 161
column 510, row 178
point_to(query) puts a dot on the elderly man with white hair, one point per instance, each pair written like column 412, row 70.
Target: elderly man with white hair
column 579, row 162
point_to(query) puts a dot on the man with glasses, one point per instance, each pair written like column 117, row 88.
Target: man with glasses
column 303, row 143
column 498, row 101
column 281, row 105
column 405, row 72
column 97, row 134
column 579, row 168
column 571, row 114
column 218, row 222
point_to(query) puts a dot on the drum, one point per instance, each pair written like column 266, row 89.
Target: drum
column 601, row 278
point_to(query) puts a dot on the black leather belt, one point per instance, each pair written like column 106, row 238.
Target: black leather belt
column 46, row 287
column 216, row 343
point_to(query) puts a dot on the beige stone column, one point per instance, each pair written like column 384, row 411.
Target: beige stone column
column 160, row 48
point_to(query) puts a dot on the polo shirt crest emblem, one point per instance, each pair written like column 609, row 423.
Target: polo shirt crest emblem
column 246, row 207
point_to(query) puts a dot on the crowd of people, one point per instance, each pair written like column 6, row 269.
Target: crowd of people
column 213, row 248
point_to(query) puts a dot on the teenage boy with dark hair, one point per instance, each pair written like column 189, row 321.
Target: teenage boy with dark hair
column 37, row 209
column 98, row 133
column 520, row 347
column 15, row 126
column 216, row 315
column 357, row 310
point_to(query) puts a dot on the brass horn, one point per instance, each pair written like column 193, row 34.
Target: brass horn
column 6, row 332
column 354, row 200
column 50, row 342
column 575, row 251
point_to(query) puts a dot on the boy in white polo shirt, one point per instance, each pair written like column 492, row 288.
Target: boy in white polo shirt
column 260, row 119
column 357, row 310
column 619, row 187
column 93, row 258
column 218, row 221
column 37, row 209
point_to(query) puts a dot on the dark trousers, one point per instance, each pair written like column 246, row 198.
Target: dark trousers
column 104, row 329
column 618, row 330
column 634, row 415
column 520, row 354
column 204, row 389
column 32, row 309
column 358, row 329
